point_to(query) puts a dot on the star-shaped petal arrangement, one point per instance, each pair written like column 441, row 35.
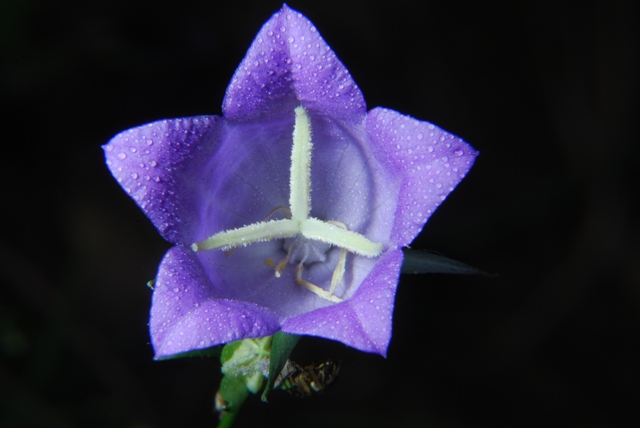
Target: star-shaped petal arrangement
column 289, row 212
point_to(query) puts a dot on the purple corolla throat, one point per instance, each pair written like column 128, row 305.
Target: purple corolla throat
column 308, row 238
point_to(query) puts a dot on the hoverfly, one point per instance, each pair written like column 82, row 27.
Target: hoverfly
column 305, row 381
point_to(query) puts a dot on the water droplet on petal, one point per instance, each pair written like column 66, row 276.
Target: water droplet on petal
column 122, row 156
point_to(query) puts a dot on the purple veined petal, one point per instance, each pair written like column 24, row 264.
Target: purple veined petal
column 187, row 313
column 162, row 165
column 430, row 161
column 364, row 321
column 246, row 178
column 290, row 64
column 349, row 184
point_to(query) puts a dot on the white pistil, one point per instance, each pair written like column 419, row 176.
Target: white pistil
column 300, row 173
column 353, row 242
column 297, row 221
column 243, row 236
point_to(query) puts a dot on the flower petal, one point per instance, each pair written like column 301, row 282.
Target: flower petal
column 364, row 321
column 247, row 177
column 161, row 166
column 430, row 161
column 290, row 64
column 187, row 313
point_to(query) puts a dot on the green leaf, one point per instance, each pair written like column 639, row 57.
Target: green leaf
column 424, row 262
column 281, row 348
column 234, row 392
column 214, row 351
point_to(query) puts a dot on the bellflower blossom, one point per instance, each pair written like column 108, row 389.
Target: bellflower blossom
column 269, row 234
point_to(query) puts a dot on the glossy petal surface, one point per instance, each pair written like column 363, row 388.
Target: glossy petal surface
column 189, row 314
column 430, row 161
column 289, row 64
column 163, row 166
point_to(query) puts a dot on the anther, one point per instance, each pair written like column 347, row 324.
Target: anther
column 314, row 288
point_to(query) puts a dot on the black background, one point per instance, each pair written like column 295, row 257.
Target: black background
column 548, row 92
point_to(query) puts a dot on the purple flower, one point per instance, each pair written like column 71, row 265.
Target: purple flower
column 324, row 227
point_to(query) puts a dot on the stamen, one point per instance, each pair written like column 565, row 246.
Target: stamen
column 338, row 272
column 314, row 288
column 287, row 212
column 282, row 264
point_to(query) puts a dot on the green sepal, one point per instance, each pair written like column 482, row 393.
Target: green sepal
column 281, row 348
column 228, row 350
column 234, row 392
column 425, row 262
column 214, row 351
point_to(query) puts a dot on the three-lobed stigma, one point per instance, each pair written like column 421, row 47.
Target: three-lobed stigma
column 311, row 237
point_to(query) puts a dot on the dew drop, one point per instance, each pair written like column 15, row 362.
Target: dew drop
column 122, row 156
column 134, row 175
column 458, row 152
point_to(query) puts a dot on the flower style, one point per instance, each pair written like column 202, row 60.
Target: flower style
column 269, row 234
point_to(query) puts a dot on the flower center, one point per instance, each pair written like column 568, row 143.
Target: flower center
column 307, row 239
column 304, row 250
